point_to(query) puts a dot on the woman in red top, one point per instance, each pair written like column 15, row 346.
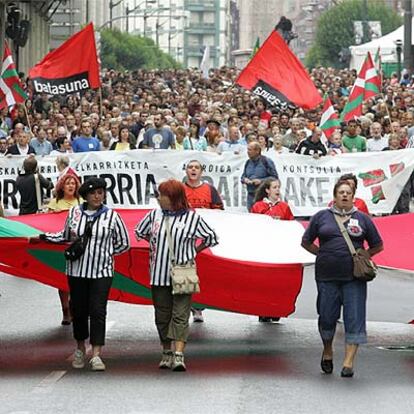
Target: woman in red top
column 267, row 201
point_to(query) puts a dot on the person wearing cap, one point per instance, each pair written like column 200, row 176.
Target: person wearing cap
column 90, row 276
column 213, row 134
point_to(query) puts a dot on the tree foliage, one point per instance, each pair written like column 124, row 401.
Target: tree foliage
column 123, row 51
column 335, row 29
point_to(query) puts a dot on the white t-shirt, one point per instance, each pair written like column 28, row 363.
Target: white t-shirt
column 374, row 144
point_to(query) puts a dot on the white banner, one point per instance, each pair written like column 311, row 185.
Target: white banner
column 307, row 183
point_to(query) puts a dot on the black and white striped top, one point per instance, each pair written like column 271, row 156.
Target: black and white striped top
column 185, row 230
column 109, row 237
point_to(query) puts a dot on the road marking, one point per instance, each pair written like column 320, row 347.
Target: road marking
column 47, row 384
column 402, row 348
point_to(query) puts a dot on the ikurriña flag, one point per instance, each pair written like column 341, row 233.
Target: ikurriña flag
column 329, row 121
column 11, row 89
column 366, row 86
column 276, row 74
column 71, row 68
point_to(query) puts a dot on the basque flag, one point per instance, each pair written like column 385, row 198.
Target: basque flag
column 276, row 74
column 72, row 67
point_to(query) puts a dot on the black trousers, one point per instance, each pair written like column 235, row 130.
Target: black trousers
column 88, row 300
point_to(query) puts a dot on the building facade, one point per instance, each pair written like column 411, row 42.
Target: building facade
column 259, row 17
column 37, row 44
column 183, row 28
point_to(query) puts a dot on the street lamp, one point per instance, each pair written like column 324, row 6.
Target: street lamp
column 112, row 4
column 398, row 44
column 128, row 11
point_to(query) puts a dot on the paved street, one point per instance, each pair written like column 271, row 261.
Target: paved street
column 236, row 365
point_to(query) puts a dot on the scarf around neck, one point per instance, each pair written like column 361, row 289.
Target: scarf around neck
column 172, row 213
column 342, row 213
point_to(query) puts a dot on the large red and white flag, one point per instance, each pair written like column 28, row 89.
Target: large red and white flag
column 276, row 74
column 72, row 67
column 255, row 269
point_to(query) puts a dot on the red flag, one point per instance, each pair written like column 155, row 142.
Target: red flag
column 72, row 67
column 277, row 75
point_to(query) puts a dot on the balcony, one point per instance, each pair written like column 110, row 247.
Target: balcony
column 201, row 28
column 200, row 5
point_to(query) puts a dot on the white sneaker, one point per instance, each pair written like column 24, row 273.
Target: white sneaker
column 166, row 360
column 78, row 359
column 178, row 362
column 97, row 364
column 197, row 315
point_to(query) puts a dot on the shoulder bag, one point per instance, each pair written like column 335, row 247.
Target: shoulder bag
column 184, row 278
column 364, row 268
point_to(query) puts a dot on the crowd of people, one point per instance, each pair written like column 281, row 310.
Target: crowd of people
column 180, row 110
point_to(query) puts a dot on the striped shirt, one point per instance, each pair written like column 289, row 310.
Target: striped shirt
column 185, row 230
column 109, row 237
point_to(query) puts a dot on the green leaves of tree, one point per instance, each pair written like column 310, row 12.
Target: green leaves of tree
column 335, row 29
column 124, row 51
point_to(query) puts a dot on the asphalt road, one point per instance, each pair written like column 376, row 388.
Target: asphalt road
column 235, row 364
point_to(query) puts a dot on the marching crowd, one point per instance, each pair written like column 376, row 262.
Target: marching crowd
column 180, row 110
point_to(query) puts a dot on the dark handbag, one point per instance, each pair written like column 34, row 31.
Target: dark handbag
column 364, row 268
column 77, row 248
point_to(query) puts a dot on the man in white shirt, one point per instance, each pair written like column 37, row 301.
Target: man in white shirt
column 232, row 143
column 377, row 142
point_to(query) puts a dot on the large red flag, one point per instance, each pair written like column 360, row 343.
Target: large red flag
column 72, row 67
column 277, row 75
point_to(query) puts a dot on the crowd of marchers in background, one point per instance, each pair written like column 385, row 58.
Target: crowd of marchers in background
column 180, row 110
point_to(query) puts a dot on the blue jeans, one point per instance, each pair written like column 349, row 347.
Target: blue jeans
column 352, row 295
column 250, row 201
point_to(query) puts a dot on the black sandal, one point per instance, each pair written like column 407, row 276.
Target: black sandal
column 327, row 365
column 347, row 372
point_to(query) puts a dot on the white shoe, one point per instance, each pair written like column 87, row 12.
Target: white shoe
column 97, row 364
column 197, row 315
column 78, row 359
column 166, row 360
column 178, row 362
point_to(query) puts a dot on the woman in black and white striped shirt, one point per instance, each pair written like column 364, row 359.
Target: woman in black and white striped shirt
column 90, row 276
column 172, row 312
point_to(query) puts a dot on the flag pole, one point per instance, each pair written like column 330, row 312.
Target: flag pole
column 27, row 117
column 228, row 90
column 100, row 103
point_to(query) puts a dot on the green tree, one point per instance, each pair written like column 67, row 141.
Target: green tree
column 123, row 51
column 335, row 29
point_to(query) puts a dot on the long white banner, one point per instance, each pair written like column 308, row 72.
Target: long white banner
column 307, row 184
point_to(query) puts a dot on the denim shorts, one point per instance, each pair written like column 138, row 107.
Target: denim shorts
column 352, row 296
